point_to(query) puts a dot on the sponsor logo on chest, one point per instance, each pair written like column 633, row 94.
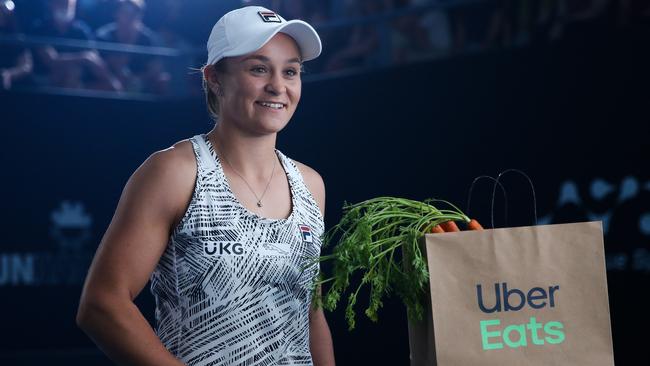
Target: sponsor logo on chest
column 223, row 248
column 305, row 231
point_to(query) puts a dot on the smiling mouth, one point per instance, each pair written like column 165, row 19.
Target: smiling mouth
column 271, row 105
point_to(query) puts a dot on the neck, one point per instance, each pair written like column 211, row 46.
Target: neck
column 252, row 156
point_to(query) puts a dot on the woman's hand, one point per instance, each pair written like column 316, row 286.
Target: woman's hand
column 450, row 226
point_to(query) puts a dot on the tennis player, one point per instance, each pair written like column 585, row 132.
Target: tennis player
column 223, row 224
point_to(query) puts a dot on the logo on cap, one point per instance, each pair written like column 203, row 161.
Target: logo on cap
column 269, row 17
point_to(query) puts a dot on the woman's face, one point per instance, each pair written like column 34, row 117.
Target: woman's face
column 261, row 90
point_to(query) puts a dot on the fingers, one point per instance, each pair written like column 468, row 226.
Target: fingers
column 437, row 229
column 474, row 225
column 449, row 226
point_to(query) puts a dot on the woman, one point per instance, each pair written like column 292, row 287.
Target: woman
column 224, row 236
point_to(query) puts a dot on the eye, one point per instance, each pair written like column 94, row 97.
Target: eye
column 259, row 69
column 292, row 72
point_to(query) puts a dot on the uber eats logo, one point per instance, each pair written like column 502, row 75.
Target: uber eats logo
column 223, row 248
column 495, row 335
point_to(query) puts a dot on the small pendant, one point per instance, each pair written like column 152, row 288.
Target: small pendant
column 259, row 203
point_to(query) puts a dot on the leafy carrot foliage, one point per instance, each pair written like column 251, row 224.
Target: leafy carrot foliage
column 378, row 240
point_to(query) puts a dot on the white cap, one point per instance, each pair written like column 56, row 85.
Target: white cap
column 245, row 30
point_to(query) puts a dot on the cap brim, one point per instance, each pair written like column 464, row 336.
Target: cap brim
column 303, row 33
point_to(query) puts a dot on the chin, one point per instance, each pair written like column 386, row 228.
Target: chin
column 273, row 124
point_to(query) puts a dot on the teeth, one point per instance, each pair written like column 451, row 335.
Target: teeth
column 272, row 105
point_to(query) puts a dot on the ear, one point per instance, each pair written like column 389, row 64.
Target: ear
column 211, row 78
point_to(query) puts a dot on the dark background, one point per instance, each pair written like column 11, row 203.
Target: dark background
column 575, row 111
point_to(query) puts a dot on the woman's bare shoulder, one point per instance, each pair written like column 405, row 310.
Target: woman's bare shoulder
column 314, row 183
column 174, row 162
column 168, row 174
column 308, row 172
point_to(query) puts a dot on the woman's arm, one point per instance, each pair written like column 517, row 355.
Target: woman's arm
column 320, row 338
column 151, row 202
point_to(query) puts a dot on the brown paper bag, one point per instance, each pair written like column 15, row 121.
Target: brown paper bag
column 552, row 305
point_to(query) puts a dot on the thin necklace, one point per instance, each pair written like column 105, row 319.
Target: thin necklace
column 259, row 199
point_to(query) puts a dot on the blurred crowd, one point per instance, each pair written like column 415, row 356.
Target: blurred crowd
column 426, row 29
column 112, row 45
column 63, row 51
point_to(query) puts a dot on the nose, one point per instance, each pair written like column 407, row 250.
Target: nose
column 275, row 84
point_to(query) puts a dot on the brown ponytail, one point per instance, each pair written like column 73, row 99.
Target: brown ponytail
column 211, row 99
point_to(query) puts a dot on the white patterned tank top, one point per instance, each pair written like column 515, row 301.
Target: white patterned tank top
column 234, row 288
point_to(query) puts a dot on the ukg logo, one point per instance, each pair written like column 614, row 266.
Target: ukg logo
column 223, row 248
column 495, row 335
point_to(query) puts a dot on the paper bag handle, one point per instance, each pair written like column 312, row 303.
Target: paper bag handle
column 505, row 197
column 532, row 188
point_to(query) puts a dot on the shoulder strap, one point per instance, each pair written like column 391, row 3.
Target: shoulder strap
column 294, row 172
column 203, row 152
column 307, row 202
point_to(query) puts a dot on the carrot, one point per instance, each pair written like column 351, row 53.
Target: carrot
column 474, row 225
column 449, row 226
column 437, row 229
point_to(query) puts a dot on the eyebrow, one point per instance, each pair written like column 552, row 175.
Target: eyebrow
column 266, row 59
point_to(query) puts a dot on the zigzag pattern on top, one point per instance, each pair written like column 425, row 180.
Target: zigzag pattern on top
column 229, row 288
